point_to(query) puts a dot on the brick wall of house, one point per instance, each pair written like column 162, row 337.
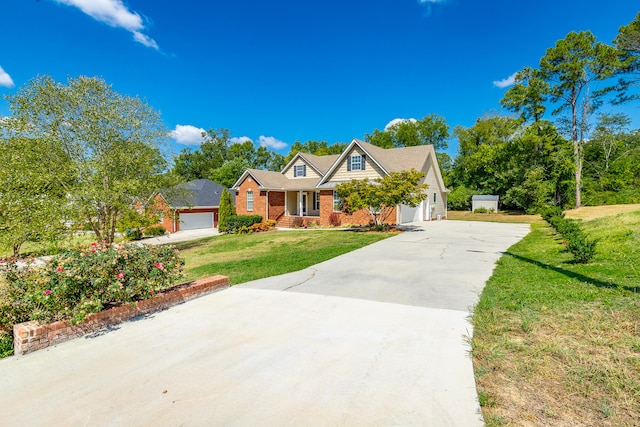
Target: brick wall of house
column 276, row 204
column 31, row 336
column 259, row 198
column 361, row 217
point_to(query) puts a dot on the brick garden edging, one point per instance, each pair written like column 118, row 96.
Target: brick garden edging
column 31, row 336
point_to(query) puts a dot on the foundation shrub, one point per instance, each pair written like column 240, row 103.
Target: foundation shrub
column 235, row 223
column 155, row 231
column 334, row 219
column 84, row 280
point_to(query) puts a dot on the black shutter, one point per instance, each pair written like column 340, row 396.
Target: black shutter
column 348, row 163
column 364, row 163
column 304, row 170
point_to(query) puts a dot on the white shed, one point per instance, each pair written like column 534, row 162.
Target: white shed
column 487, row 202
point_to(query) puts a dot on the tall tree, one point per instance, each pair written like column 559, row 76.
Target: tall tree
column 628, row 40
column 528, row 95
column 213, row 152
column 430, row 130
column 110, row 144
column 570, row 67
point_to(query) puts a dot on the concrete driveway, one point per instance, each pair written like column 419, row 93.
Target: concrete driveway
column 374, row 337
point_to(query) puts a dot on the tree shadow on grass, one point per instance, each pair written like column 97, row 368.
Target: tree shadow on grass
column 574, row 275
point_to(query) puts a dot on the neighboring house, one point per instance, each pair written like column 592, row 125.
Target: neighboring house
column 488, row 202
column 302, row 193
column 189, row 206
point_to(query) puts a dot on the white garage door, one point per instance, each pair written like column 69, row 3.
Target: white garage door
column 194, row 221
column 409, row 214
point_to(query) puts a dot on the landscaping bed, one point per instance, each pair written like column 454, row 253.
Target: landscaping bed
column 32, row 336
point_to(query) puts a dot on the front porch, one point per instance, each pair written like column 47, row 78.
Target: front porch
column 301, row 209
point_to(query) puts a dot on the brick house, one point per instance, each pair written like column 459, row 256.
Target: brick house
column 189, row 206
column 302, row 193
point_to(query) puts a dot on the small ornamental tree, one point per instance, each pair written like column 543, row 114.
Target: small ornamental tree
column 226, row 210
column 380, row 196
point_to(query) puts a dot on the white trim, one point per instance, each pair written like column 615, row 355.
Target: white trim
column 300, row 155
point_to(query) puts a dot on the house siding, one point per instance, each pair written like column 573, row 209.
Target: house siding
column 309, row 170
column 371, row 171
column 441, row 200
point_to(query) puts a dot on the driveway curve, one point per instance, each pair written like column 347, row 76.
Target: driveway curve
column 374, row 337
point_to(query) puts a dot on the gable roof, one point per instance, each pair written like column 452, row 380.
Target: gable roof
column 389, row 160
column 193, row 194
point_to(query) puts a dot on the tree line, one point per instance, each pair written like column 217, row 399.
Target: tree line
column 81, row 154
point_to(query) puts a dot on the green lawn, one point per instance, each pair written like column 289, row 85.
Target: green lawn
column 245, row 257
column 558, row 343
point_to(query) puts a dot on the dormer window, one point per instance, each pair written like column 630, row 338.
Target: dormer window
column 356, row 162
column 299, row 170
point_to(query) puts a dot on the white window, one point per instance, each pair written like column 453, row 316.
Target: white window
column 299, row 170
column 249, row 200
column 337, row 202
column 355, row 162
column 316, row 201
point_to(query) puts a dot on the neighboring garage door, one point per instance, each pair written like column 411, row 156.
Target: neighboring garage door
column 194, row 221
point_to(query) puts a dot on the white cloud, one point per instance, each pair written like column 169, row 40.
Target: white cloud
column 188, row 135
column 115, row 14
column 239, row 140
column 429, row 1
column 509, row 81
column 396, row 121
column 271, row 142
column 5, row 79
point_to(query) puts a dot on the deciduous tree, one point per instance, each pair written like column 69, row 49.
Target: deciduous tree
column 101, row 147
column 381, row 195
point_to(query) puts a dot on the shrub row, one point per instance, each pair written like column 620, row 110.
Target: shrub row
column 84, row 280
column 235, row 222
column 255, row 228
column 578, row 243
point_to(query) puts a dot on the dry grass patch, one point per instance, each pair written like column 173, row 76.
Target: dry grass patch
column 587, row 213
column 508, row 217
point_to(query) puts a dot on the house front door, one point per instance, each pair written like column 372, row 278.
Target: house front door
column 303, row 203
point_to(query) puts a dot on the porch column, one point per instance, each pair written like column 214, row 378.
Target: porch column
column 300, row 210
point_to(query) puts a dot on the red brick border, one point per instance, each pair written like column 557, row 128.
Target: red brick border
column 31, row 336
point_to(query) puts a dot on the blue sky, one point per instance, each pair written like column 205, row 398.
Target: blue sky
column 281, row 71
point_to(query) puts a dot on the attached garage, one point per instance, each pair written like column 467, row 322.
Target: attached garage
column 410, row 214
column 195, row 221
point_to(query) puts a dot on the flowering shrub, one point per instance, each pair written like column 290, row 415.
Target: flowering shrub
column 84, row 280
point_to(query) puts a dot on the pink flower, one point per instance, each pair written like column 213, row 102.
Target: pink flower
column 93, row 245
column 101, row 291
column 152, row 293
column 120, row 275
column 59, row 269
column 159, row 265
column 47, row 292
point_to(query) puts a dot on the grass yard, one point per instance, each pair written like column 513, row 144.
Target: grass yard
column 558, row 343
column 245, row 257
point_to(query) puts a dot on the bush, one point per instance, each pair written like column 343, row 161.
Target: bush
column 480, row 210
column 582, row 248
column 84, row 280
column 460, row 198
column 155, row 231
column 133, row 234
column 235, row 222
column 334, row 219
